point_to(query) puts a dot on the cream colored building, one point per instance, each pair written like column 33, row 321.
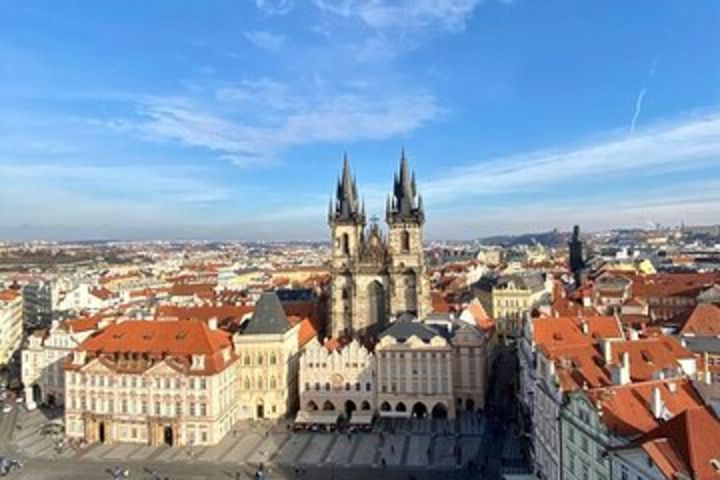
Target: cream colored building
column 11, row 323
column 152, row 382
column 414, row 372
column 513, row 296
column 268, row 369
column 341, row 380
column 44, row 355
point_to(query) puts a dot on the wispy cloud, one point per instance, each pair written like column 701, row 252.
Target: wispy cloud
column 404, row 14
column 266, row 40
column 287, row 119
column 686, row 144
column 275, row 7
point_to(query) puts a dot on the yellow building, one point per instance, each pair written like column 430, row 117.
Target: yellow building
column 513, row 296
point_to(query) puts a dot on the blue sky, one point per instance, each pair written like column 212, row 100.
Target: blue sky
column 229, row 119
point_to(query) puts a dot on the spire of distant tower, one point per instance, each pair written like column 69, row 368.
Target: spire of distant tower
column 403, row 205
column 347, row 205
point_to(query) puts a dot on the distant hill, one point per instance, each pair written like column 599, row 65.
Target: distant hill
column 552, row 238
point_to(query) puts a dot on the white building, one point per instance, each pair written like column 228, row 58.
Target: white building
column 44, row 355
column 340, row 380
column 11, row 322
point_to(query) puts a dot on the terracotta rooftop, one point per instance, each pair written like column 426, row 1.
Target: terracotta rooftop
column 685, row 444
column 627, row 409
column 704, row 321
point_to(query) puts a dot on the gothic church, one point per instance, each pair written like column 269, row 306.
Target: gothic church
column 376, row 278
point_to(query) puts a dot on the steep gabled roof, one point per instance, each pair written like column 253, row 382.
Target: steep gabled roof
column 704, row 320
column 269, row 317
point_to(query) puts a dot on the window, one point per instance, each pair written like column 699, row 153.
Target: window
column 584, row 442
column 327, row 387
column 586, row 471
column 307, row 386
column 178, row 409
column 346, row 243
column 124, row 406
column 368, row 387
column 246, row 361
column 405, row 241
column 572, row 463
column 259, row 359
column 273, row 359
column 624, row 474
column 347, row 387
column 357, row 387
column 203, row 410
column 167, row 383
column 144, row 407
column 203, row 384
column 192, row 409
column 571, row 434
column 317, row 386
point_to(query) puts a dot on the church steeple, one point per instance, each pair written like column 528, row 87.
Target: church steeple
column 347, row 205
column 405, row 205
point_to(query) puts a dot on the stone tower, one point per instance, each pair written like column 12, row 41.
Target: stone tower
column 374, row 279
column 577, row 263
column 405, row 217
column 347, row 222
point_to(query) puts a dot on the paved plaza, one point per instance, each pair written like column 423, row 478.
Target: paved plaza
column 394, row 445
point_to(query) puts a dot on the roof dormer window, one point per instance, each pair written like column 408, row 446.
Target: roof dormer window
column 198, row 362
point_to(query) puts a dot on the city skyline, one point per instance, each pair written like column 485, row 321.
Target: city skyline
column 230, row 121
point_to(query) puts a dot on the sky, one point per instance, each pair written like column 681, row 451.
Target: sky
column 229, row 119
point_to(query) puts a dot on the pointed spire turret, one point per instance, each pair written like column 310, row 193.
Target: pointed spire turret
column 405, row 204
column 347, row 204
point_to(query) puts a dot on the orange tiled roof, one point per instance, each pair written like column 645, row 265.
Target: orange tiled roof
column 102, row 293
column 627, row 409
column 704, row 321
column 173, row 337
column 650, row 355
column 9, row 295
column 685, row 444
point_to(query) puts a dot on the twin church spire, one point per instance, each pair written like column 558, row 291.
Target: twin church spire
column 404, row 205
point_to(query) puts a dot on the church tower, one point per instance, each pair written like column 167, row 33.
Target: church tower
column 410, row 288
column 346, row 218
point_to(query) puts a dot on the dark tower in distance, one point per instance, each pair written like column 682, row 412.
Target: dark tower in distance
column 577, row 263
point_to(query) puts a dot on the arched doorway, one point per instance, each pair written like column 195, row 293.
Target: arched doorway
column 168, row 436
column 365, row 405
column 311, row 406
column 419, row 410
column 328, row 406
column 439, row 411
column 350, row 407
column 376, row 303
column 400, row 407
column 260, row 410
column 470, row 405
column 101, row 432
column 385, row 407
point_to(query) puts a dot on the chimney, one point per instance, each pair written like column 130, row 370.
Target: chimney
column 585, row 327
column 656, row 403
column 607, row 350
column 621, row 373
column 213, row 323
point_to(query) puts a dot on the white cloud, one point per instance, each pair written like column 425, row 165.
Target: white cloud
column 404, row 14
column 266, row 40
column 687, row 144
column 275, row 7
column 287, row 119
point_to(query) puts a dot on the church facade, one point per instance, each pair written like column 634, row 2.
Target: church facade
column 376, row 277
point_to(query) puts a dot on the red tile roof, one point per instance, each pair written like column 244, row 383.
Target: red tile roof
column 9, row 295
column 627, row 410
column 704, row 321
column 685, row 444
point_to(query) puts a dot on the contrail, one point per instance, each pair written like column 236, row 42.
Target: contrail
column 638, row 108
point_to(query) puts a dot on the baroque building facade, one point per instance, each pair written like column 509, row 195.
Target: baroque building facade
column 376, row 278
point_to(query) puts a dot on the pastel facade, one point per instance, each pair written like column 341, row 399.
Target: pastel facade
column 153, row 383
